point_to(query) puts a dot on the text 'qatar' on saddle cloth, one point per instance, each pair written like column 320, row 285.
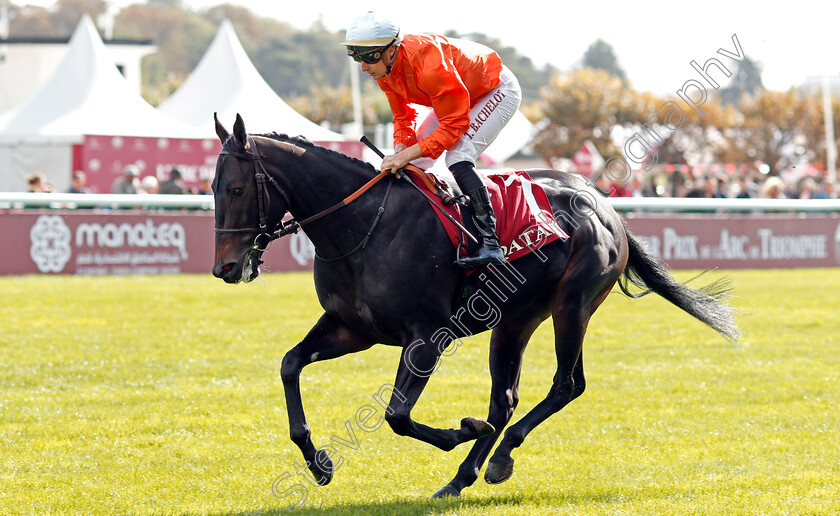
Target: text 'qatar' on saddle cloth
column 524, row 220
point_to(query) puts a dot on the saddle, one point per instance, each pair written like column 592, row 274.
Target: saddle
column 447, row 191
column 524, row 218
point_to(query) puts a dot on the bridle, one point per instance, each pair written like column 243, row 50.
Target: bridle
column 265, row 236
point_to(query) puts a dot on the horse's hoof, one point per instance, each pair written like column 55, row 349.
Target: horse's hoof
column 322, row 477
column 446, row 492
column 498, row 472
column 482, row 428
column 322, row 469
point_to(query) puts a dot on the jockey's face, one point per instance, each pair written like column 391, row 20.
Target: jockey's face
column 379, row 69
column 376, row 71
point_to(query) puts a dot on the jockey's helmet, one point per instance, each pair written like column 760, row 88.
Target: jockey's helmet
column 369, row 36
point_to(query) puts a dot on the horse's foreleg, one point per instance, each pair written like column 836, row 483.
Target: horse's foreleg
column 329, row 338
column 507, row 345
column 417, row 363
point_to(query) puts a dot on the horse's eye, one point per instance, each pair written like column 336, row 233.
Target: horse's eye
column 237, row 191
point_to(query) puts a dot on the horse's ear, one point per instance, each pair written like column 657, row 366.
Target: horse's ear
column 221, row 132
column 240, row 133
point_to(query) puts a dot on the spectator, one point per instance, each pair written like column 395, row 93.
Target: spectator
column 773, row 188
column 722, row 186
column 173, row 185
column 826, row 191
column 603, row 184
column 206, row 186
column 745, row 188
column 808, row 188
column 638, row 187
column 621, row 190
column 712, row 188
column 129, row 182
column 149, row 185
column 607, row 187
column 696, row 189
column 37, row 183
column 77, row 183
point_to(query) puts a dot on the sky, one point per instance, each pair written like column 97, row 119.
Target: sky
column 654, row 41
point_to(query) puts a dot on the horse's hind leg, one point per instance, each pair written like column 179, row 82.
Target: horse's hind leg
column 507, row 345
column 570, row 317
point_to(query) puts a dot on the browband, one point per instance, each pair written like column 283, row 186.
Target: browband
column 249, row 151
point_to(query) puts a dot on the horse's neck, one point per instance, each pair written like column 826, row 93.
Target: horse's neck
column 314, row 184
column 316, row 181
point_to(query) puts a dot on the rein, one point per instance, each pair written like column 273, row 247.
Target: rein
column 264, row 235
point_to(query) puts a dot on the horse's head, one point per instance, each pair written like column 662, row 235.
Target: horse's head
column 245, row 219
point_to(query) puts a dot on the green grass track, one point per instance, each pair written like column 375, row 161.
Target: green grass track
column 161, row 396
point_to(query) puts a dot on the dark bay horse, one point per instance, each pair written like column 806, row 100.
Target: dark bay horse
column 385, row 273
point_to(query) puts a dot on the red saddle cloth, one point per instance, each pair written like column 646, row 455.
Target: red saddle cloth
column 524, row 220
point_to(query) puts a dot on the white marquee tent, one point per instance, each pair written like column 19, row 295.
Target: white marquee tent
column 226, row 82
column 86, row 95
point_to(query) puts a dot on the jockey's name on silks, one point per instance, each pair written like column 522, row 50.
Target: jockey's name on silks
column 481, row 116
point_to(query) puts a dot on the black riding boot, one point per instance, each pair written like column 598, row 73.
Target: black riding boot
column 489, row 250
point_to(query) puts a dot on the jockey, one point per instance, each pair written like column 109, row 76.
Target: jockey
column 472, row 95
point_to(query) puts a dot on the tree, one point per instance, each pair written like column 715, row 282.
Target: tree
column 600, row 56
column 58, row 22
column 587, row 104
column 181, row 38
column 781, row 128
column 34, row 23
column 301, row 62
column 295, row 63
column 702, row 140
column 66, row 17
column 170, row 4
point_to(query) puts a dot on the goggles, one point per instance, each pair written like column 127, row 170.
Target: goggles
column 366, row 54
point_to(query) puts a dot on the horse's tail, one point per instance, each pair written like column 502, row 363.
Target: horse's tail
column 706, row 303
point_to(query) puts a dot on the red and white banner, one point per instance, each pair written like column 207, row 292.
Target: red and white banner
column 125, row 242
column 165, row 242
column 103, row 158
column 701, row 241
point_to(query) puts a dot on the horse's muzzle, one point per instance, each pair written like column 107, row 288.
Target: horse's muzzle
column 230, row 272
column 235, row 272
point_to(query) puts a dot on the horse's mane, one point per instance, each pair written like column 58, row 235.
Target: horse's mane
column 300, row 141
column 304, row 143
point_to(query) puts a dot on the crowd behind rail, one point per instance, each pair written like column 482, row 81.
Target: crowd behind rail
column 723, row 186
column 745, row 185
column 129, row 183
